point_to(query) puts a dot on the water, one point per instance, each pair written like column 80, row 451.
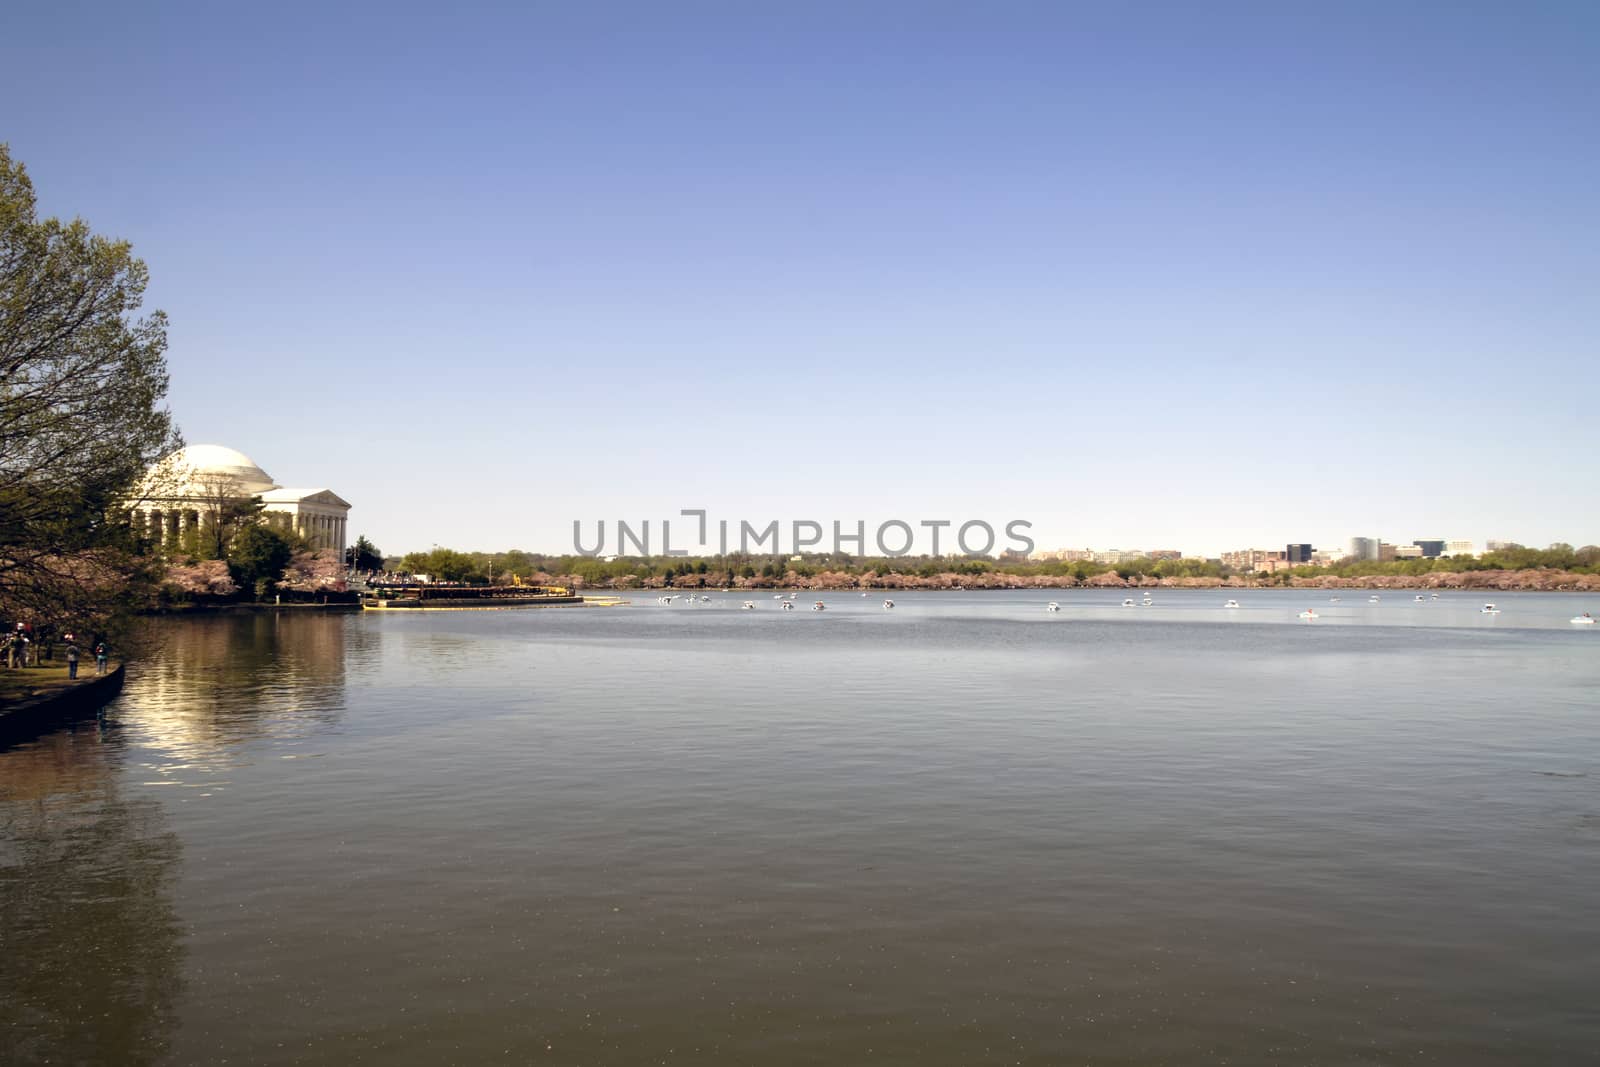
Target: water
column 962, row 832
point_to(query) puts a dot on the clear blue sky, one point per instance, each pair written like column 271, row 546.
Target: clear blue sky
column 1192, row 275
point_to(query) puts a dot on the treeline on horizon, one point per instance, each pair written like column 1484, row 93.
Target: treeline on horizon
column 445, row 564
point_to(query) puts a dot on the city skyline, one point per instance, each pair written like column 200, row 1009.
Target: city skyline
column 1174, row 277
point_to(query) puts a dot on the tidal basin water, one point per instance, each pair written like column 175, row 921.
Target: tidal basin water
column 965, row 831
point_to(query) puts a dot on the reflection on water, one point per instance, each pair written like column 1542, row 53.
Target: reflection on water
column 963, row 832
column 91, row 953
column 212, row 684
column 91, row 958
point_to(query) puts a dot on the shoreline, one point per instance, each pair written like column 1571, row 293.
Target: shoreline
column 29, row 716
column 1529, row 581
column 489, row 605
column 244, row 608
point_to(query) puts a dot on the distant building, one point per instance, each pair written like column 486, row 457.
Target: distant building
column 1407, row 551
column 1430, row 549
column 1164, row 553
column 1364, row 548
column 1386, row 552
column 1464, row 548
column 1067, row 555
column 1489, row 546
column 1118, row 555
column 1298, row 553
column 1254, row 559
column 187, row 489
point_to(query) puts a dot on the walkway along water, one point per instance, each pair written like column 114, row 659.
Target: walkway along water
column 29, row 716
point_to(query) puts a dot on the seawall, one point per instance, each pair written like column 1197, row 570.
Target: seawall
column 31, row 716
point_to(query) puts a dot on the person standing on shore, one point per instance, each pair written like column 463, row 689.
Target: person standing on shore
column 101, row 654
column 72, row 659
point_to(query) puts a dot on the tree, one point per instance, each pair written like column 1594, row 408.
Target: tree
column 314, row 572
column 256, row 558
column 225, row 510
column 200, row 578
column 364, row 555
column 82, row 382
column 441, row 564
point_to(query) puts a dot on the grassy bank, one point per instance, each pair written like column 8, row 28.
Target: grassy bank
column 22, row 683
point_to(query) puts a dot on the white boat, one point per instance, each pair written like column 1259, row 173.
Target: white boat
column 792, row 596
column 748, row 605
column 1052, row 606
column 1309, row 613
column 777, row 596
column 1128, row 603
column 1582, row 620
column 1333, row 600
column 1231, row 604
column 1435, row 596
column 705, row 600
column 863, row 594
column 888, row 605
column 1148, row 601
column 1372, row 599
column 1489, row 609
column 819, row 606
column 788, row 606
column 1420, row 599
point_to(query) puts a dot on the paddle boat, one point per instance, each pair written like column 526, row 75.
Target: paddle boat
column 748, row 605
column 888, row 605
column 1309, row 613
column 1231, row 604
column 1052, row 606
column 1128, row 603
column 1582, row 620
column 819, row 606
column 1489, row 609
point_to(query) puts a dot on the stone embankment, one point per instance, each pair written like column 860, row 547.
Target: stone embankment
column 1543, row 581
column 1530, row 580
column 30, row 715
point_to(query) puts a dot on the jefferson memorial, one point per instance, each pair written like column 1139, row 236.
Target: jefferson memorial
column 195, row 480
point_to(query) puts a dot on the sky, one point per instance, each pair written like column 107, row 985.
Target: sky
column 1193, row 276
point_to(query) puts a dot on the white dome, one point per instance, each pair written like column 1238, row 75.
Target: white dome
column 187, row 465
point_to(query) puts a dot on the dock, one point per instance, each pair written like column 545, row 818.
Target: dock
column 433, row 596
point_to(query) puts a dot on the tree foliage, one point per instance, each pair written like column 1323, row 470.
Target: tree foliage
column 447, row 565
column 738, row 568
column 364, row 555
column 225, row 509
column 314, row 572
column 257, row 557
column 82, row 385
